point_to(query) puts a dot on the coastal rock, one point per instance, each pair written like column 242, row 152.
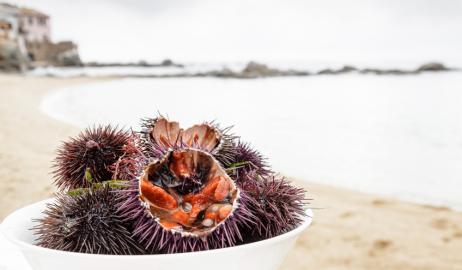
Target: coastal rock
column 223, row 73
column 326, row 71
column 167, row 63
column 344, row 69
column 377, row 71
column 11, row 57
column 433, row 66
column 256, row 70
column 68, row 59
column 64, row 53
column 170, row 63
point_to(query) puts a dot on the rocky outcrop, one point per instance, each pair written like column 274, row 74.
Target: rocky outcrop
column 255, row 70
column 427, row 67
column 258, row 70
column 251, row 71
column 64, row 53
column 377, row 71
column 11, row 57
column 344, row 69
column 433, row 66
column 169, row 63
column 142, row 63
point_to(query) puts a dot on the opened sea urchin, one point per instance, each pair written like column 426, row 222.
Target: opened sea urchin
column 186, row 202
column 86, row 223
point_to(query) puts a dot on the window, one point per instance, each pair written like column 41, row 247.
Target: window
column 42, row 21
column 5, row 26
column 31, row 20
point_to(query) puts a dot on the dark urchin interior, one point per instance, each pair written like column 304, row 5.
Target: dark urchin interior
column 156, row 240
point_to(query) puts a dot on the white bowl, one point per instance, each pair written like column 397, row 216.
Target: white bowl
column 263, row 255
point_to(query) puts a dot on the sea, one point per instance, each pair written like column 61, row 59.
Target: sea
column 398, row 136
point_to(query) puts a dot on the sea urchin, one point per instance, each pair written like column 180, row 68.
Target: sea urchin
column 276, row 203
column 248, row 163
column 86, row 223
column 93, row 151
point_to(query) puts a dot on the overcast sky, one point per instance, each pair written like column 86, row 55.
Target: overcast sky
column 240, row 30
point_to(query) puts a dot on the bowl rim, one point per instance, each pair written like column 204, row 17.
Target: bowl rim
column 25, row 245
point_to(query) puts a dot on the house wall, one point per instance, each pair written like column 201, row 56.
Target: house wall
column 35, row 28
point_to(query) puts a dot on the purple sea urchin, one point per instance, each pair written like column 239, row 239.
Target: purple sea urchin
column 131, row 163
column 248, row 163
column 277, row 204
column 160, row 135
column 93, row 150
column 188, row 203
column 86, row 223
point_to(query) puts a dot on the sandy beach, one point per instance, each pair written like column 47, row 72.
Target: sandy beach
column 351, row 230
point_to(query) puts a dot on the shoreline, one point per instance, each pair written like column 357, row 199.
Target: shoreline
column 251, row 70
column 351, row 230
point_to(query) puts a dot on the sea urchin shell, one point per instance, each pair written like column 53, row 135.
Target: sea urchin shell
column 161, row 135
column 186, row 202
column 93, row 150
column 188, row 192
column 86, row 223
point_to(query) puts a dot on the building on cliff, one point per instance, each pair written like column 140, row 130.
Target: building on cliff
column 13, row 52
column 25, row 40
column 9, row 17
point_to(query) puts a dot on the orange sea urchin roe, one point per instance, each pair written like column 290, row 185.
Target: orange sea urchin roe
column 196, row 211
column 157, row 196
